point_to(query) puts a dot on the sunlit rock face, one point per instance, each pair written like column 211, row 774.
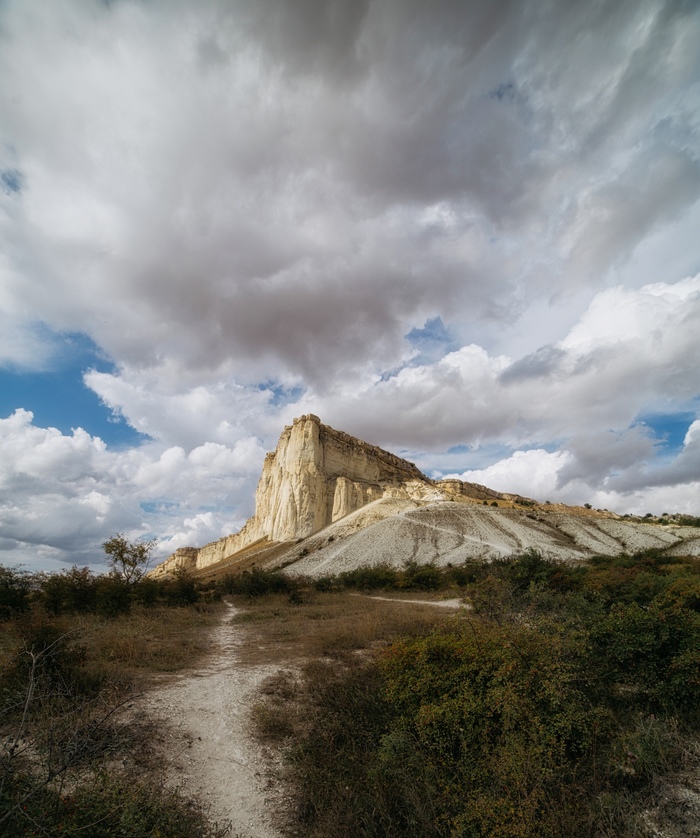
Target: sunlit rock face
column 315, row 476
column 318, row 475
column 328, row 502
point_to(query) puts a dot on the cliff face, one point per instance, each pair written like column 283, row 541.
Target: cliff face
column 315, row 476
column 318, row 474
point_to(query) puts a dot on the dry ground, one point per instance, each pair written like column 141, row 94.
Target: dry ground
column 256, row 652
column 208, row 737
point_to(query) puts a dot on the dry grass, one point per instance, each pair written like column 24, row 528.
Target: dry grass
column 8, row 643
column 327, row 625
column 152, row 640
column 73, row 756
column 129, row 648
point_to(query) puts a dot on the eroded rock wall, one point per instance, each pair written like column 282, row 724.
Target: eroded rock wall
column 318, row 475
column 315, row 476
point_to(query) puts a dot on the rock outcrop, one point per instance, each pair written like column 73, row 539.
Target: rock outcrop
column 315, row 476
column 327, row 502
column 318, row 475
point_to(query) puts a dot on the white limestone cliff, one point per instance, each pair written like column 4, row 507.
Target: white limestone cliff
column 315, row 476
column 350, row 502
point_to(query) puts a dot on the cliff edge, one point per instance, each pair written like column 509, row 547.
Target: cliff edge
column 314, row 477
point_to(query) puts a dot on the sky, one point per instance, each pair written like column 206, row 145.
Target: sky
column 465, row 231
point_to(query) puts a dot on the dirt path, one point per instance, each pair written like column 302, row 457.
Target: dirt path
column 437, row 603
column 212, row 753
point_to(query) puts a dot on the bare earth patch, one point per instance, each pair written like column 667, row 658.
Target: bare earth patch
column 207, row 738
column 438, row 603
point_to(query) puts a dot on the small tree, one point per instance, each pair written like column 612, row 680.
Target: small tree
column 128, row 559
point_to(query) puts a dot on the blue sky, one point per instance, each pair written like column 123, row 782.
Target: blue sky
column 465, row 233
column 58, row 397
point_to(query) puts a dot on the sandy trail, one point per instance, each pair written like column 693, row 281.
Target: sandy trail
column 207, row 738
column 437, row 603
column 212, row 752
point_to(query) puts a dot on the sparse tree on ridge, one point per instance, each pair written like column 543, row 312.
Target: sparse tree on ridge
column 128, row 559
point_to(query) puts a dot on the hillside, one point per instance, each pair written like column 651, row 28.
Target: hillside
column 328, row 502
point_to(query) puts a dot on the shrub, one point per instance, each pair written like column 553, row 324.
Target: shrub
column 422, row 577
column 324, row 583
column 147, row 591
column 71, row 591
column 257, row 582
column 551, row 712
column 109, row 804
column 47, row 670
column 14, row 592
column 654, row 651
column 333, row 765
column 182, row 590
column 505, row 722
column 113, row 596
column 369, row 578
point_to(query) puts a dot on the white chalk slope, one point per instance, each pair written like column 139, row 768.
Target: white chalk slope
column 395, row 531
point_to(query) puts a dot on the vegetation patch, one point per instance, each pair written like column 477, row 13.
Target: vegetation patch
column 554, row 707
column 75, row 649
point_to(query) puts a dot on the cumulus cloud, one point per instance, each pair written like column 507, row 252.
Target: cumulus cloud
column 561, row 476
column 257, row 210
column 62, row 496
column 532, row 473
column 630, row 351
column 162, row 406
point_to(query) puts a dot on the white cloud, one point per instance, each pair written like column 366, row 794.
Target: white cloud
column 610, row 471
column 163, row 406
column 248, row 207
column 632, row 351
column 692, row 437
column 68, row 494
column 532, row 473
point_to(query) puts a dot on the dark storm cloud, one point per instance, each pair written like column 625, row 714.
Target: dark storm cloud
column 284, row 183
column 224, row 194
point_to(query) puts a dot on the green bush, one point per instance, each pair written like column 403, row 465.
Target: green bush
column 105, row 806
column 532, row 570
column 340, row 785
column 182, row 590
column 14, row 592
column 504, row 719
column 46, row 675
column 324, row 583
column 114, row 596
column 257, row 582
column 550, row 709
column 422, row 577
column 71, row 591
column 147, row 591
column 369, row 578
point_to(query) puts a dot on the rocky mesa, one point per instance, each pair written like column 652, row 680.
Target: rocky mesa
column 327, row 501
column 315, row 476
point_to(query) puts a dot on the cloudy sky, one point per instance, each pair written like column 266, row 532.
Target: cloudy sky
column 466, row 231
